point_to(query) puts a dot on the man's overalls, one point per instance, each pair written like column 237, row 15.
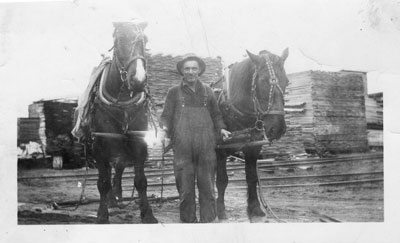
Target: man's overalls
column 195, row 158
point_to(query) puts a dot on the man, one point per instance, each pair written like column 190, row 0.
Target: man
column 190, row 118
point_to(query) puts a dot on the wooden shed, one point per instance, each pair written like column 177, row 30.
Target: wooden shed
column 331, row 110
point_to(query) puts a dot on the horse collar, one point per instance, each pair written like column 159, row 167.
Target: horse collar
column 107, row 99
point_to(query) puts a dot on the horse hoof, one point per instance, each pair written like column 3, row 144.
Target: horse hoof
column 222, row 215
column 102, row 221
column 221, row 211
column 149, row 220
column 102, row 215
column 255, row 212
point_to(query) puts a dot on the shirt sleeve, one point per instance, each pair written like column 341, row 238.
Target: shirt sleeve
column 167, row 116
column 215, row 113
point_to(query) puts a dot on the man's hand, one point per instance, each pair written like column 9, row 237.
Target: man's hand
column 226, row 135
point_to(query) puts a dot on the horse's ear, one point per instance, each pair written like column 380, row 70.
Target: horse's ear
column 142, row 25
column 254, row 58
column 285, row 54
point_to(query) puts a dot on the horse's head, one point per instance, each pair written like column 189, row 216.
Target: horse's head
column 129, row 54
column 268, row 85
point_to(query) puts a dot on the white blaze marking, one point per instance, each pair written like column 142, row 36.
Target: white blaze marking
column 140, row 71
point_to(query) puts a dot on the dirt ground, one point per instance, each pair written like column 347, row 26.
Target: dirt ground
column 43, row 201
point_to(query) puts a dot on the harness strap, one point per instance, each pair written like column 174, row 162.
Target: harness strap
column 123, row 122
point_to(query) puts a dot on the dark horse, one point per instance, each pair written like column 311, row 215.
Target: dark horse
column 254, row 104
column 121, row 108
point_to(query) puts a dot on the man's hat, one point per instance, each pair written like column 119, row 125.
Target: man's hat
column 191, row 57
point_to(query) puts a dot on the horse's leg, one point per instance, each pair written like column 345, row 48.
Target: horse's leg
column 103, row 182
column 116, row 192
column 146, row 213
column 253, row 205
column 140, row 182
column 222, row 183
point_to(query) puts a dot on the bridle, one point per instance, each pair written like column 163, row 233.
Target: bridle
column 274, row 84
column 140, row 38
column 259, row 112
column 138, row 99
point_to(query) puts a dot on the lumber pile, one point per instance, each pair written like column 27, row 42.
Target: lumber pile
column 55, row 123
column 375, row 138
column 374, row 111
column 333, row 119
column 28, row 130
column 374, row 114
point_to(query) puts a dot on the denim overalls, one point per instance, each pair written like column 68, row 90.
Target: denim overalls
column 194, row 159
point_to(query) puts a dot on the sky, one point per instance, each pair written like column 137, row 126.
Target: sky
column 48, row 49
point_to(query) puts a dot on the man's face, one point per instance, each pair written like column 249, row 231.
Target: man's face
column 190, row 70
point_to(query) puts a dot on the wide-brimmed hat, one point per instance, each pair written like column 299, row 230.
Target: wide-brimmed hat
column 191, row 57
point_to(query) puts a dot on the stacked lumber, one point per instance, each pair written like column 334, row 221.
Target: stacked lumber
column 375, row 138
column 55, row 122
column 339, row 111
column 374, row 111
column 36, row 111
column 298, row 92
column 333, row 119
column 28, row 130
